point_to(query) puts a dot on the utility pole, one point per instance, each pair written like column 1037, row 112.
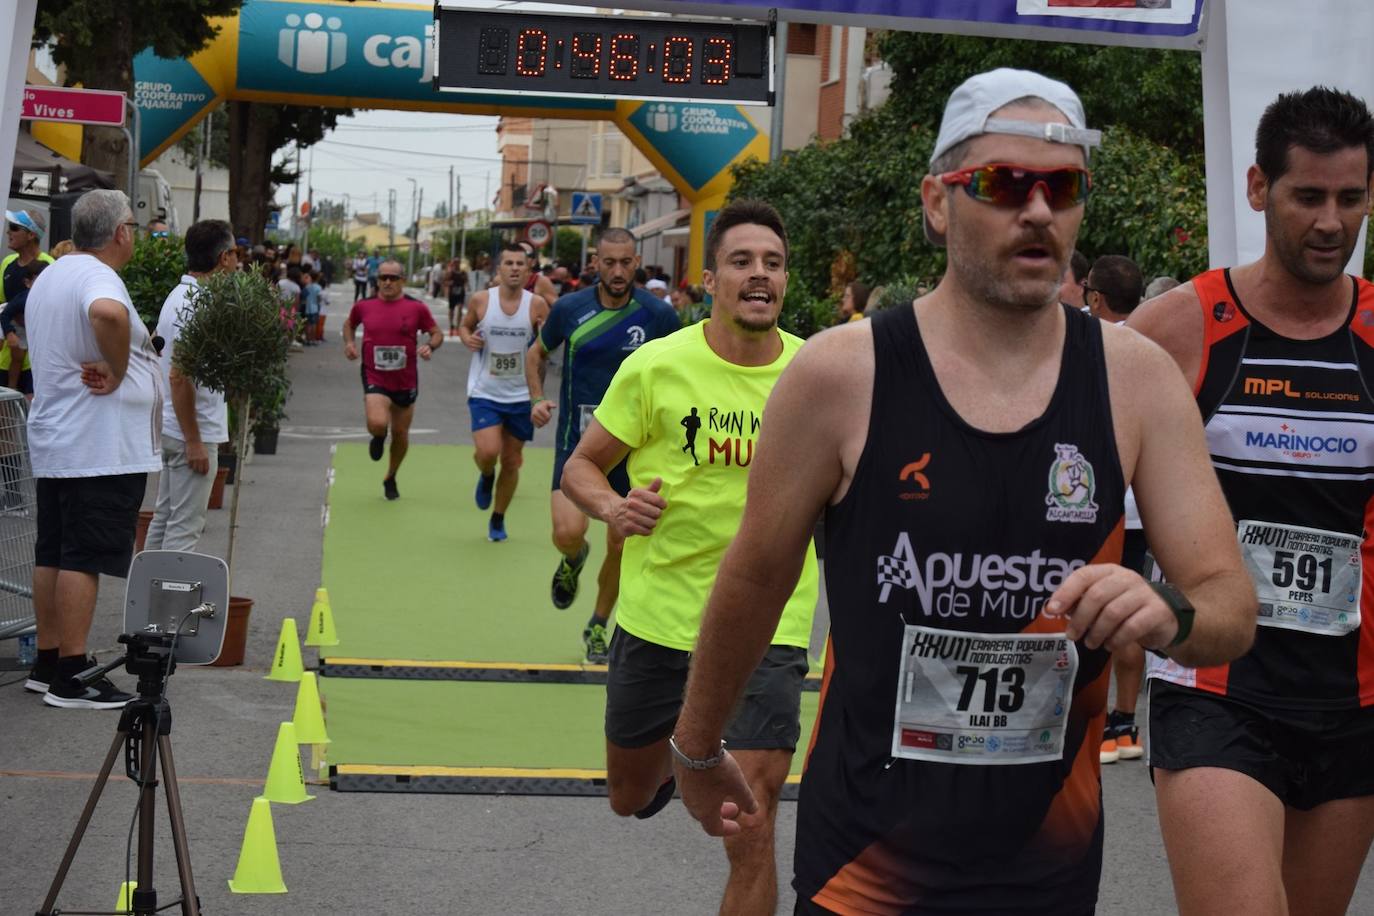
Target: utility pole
column 391, row 221
column 296, row 195
column 203, row 155
column 463, row 252
column 415, row 229
column 451, row 239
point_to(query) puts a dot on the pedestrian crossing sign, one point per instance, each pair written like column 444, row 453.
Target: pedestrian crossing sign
column 586, row 208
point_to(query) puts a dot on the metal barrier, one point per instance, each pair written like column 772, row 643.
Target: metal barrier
column 18, row 516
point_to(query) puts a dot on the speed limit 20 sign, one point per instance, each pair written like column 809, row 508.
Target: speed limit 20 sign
column 538, row 233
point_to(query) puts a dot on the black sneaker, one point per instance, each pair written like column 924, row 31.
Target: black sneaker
column 660, row 799
column 40, row 677
column 389, row 488
column 374, row 448
column 565, row 577
column 66, row 693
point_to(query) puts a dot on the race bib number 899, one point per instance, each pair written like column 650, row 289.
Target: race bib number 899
column 507, row 365
column 980, row 698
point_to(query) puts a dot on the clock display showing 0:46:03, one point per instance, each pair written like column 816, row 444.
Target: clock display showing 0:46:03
column 618, row 57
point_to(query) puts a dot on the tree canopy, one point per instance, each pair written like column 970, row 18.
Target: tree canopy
column 853, row 206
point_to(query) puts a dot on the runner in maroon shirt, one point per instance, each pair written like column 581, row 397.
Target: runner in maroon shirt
column 391, row 382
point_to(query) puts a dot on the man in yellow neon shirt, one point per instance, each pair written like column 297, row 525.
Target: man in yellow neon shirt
column 686, row 409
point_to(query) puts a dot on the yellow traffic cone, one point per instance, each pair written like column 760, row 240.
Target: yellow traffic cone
column 126, row 897
column 309, row 717
column 286, row 661
column 285, row 778
column 321, row 629
column 259, row 869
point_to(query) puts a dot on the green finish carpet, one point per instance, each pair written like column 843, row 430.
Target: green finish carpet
column 416, row 578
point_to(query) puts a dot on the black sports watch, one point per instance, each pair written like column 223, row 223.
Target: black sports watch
column 1179, row 604
column 693, row 763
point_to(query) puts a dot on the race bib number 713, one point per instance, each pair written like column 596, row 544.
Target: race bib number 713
column 982, row 698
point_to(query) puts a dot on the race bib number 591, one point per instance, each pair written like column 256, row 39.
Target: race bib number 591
column 983, row 698
column 1307, row 579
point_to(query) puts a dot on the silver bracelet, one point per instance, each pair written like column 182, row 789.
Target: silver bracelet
column 693, row 763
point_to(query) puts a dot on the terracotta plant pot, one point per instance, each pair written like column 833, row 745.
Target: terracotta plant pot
column 319, row 328
column 217, row 488
column 145, row 518
column 235, row 632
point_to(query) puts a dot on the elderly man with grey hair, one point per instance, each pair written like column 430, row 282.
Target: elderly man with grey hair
column 93, row 437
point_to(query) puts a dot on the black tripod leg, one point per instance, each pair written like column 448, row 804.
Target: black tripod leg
column 190, row 904
column 144, row 897
column 101, row 778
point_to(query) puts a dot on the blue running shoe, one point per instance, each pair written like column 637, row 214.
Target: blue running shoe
column 485, row 485
column 496, row 531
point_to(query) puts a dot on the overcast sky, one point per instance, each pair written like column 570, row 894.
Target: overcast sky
column 375, row 151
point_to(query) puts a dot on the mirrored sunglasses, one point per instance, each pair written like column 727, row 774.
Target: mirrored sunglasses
column 1005, row 185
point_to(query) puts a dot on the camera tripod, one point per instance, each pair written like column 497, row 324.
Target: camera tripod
column 144, row 733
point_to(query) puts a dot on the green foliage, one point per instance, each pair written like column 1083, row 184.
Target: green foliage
column 856, row 195
column 328, row 240
column 1157, row 93
column 84, row 30
column 1148, row 204
column 853, row 206
column 479, row 241
column 235, row 338
column 804, row 314
column 154, row 271
column 901, row 291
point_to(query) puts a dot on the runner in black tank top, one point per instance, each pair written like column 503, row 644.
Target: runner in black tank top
column 972, row 543
column 973, row 449
column 1268, row 759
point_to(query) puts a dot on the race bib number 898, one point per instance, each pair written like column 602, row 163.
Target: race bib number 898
column 981, row 698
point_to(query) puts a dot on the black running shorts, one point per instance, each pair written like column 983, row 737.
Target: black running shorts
column 401, row 397
column 87, row 524
column 1306, row 758
column 644, row 696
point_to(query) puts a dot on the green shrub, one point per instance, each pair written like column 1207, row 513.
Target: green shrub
column 154, row 271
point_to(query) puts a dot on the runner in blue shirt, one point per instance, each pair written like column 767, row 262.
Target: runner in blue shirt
column 597, row 327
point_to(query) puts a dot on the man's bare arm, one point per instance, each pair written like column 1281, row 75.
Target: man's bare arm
column 1174, row 321
column 110, row 321
column 585, row 483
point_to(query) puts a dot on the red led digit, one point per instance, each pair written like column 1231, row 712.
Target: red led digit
column 678, row 51
column 585, row 58
column 716, row 56
column 624, row 56
column 532, row 52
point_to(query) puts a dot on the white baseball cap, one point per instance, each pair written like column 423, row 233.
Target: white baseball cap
column 968, row 113
column 656, row 283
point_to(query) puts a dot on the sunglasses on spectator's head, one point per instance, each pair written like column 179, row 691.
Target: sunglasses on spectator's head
column 1004, row 185
column 388, row 276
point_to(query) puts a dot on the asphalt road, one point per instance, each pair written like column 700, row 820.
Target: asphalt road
column 375, row 853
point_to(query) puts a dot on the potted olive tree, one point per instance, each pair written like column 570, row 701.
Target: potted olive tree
column 235, row 338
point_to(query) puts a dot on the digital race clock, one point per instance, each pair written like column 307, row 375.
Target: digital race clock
column 516, row 53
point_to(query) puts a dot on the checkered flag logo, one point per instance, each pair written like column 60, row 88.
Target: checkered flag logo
column 895, row 570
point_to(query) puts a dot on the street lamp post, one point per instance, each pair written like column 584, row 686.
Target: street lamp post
column 414, row 227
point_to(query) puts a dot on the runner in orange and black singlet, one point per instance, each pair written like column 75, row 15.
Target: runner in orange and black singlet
column 1267, row 759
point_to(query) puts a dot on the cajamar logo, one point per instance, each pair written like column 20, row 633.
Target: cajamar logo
column 914, row 472
column 1072, row 487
